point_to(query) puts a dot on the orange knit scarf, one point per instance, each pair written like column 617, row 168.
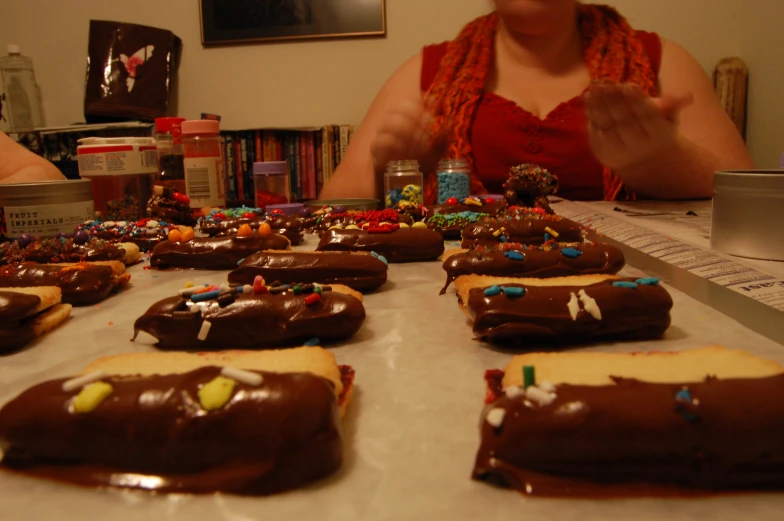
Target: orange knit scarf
column 613, row 52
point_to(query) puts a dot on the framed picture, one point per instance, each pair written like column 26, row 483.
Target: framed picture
column 226, row 22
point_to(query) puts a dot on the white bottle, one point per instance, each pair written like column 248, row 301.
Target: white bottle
column 20, row 97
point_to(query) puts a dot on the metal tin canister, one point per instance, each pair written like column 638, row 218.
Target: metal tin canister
column 748, row 206
column 46, row 208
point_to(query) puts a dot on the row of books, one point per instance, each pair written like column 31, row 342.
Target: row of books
column 312, row 154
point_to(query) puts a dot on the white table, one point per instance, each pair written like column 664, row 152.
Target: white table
column 411, row 433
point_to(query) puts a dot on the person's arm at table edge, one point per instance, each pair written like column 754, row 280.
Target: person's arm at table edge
column 19, row 165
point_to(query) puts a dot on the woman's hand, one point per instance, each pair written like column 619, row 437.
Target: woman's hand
column 405, row 134
column 627, row 128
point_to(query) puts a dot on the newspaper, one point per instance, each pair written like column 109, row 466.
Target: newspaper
column 679, row 234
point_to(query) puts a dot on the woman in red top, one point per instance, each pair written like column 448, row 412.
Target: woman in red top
column 614, row 113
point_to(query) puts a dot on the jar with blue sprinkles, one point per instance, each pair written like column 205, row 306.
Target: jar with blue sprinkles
column 403, row 182
column 454, row 180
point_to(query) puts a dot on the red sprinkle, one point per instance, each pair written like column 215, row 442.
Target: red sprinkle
column 248, row 215
column 142, row 222
column 538, row 210
column 219, row 215
column 182, row 198
column 312, row 298
column 277, row 211
column 452, row 201
column 260, row 288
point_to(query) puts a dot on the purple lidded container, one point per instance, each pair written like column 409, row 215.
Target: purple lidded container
column 271, row 183
column 287, row 209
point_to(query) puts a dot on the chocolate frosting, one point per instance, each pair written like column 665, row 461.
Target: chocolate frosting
column 404, row 245
column 15, row 329
column 524, row 231
column 538, row 263
column 633, row 437
column 493, row 209
column 213, row 253
column 57, row 250
column 151, row 433
column 253, row 321
column 82, row 284
column 542, row 314
column 358, row 271
column 288, row 226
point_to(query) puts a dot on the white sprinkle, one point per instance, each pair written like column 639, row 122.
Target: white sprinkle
column 153, row 224
column 88, row 222
column 184, row 290
column 540, row 397
column 224, row 287
column 590, row 305
column 205, row 330
column 157, row 190
column 246, row 377
column 496, row 417
column 109, row 224
column 122, row 224
column 546, row 386
column 574, row 306
column 80, row 381
column 513, row 391
column 247, row 288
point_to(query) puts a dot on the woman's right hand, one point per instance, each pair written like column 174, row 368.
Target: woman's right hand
column 405, row 133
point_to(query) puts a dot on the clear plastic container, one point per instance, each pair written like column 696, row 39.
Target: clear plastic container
column 454, row 180
column 271, row 183
column 171, row 156
column 123, row 172
column 403, row 182
column 21, row 107
column 205, row 179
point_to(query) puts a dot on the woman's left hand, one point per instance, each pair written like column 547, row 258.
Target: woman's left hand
column 627, row 128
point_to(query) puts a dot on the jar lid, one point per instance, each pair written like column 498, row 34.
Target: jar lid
column 270, row 168
column 287, row 209
column 168, row 125
column 200, row 126
column 44, row 192
column 93, row 141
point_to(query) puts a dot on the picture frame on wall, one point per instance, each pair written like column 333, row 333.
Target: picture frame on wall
column 232, row 22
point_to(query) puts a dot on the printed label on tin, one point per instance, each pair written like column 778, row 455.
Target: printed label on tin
column 44, row 220
column 204, row 182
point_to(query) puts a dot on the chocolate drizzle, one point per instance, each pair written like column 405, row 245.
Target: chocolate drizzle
column 525, row 231
column 152, row 434
column 600, row 258
column 404, row 245
column 252, row 321
column 218, row 253
column 543, row 313
column 60, row 250
column 81, row 284
column 357, row 271
column 288, row 226
column 16, row 328
column 632, row 438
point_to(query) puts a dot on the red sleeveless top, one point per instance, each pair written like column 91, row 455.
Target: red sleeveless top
column 504, row 134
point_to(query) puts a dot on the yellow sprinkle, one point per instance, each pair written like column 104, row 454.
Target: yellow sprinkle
column 216, row 393
column 336, row 227
column 189, row 284
column 403, row 225
column 473, row 201
column 318, row 212
column 90, row 397
column 352, row 227
column 498, row 232
column 551, row 231
column 419, row 225
column 546, row 247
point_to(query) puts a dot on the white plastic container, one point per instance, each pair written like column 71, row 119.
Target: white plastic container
column 44, row 209
column 123, row 171
column 22, row 110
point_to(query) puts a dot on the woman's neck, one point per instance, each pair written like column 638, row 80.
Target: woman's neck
column 555, row 50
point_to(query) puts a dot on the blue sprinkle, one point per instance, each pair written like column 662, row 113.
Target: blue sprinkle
column 374, row 254
column 624, row 284
column 382, row 259
column 164, row 223
column 286, row 286
column 240, row 261
column 683, row 396
column 503, row 238
column 201, row 297
column 546, row 237
column 514, row 292
column 313, row 342
column 492, row 291
column 648, row 281
column 514, row 255
column 572, row 253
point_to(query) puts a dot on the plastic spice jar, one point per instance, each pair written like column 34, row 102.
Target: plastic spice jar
column 122, row 170
column 403, row 183
column 271, row 183
column 168, row 138
column 454, row 179
column 205, row 180
column 44, row 209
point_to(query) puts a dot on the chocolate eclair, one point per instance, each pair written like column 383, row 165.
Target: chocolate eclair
column 253, row 317
column 170, row 206
column 82, row 284
column 214, row 253
column 520, row 260
column 493, row 208
column 451, row 225
column 286, row 225
column 145, row 233
column 529, row 185
column 27, row 313
column 358, row 271
column 655, row 424
column 184, row 423
column 406, row 244
column 525, row 228
column 564, row 310
column 79, row 248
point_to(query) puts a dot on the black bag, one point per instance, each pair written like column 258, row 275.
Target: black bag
column 130, row 71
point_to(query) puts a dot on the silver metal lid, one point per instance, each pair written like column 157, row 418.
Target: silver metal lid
column 45, row 192
column 749, row 180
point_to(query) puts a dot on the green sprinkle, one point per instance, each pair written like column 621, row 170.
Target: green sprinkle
column 529, row 376
column 317, row 288
column 297, row 289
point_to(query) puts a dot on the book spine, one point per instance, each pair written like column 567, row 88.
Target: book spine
column 259, row 155
column 310, row 156
column 324, row 149
column 289, row 147
column 344, row 131
column 243, row 166
column 231, row 175
column 237, row 168
column 297, row 165
column 336, row 145
column 248, row 177
column 318, row 161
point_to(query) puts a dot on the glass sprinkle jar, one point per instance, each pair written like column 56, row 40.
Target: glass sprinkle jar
column 403, row 182
column 454, row 180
